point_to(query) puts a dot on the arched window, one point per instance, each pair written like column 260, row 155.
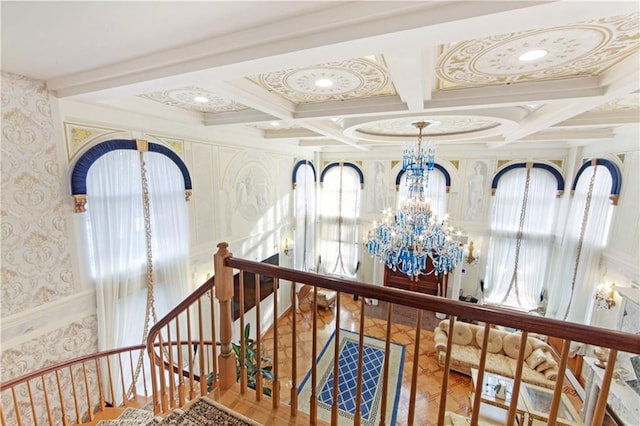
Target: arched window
column 341, row 185
column 522, row 224
column 594, row 193
column 137, row 235
column 304, row 205
column 435, row 190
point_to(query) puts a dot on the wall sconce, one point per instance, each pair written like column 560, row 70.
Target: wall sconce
column 470, row 258
column 605, row 296
column 288, row 248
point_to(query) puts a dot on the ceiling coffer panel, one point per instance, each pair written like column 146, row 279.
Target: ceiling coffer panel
column 332, row 81
column 576, row 50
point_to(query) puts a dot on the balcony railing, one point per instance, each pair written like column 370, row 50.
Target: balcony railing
column 183, row 364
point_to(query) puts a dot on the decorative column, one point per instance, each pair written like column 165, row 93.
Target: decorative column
column 224, row 293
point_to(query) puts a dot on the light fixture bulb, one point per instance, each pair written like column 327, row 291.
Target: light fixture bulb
column 201, row 99
column 323, row 82
column 532, row 55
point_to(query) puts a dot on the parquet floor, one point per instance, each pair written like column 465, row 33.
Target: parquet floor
column 429, row 373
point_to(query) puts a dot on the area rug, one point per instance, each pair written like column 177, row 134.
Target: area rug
column 373, row 363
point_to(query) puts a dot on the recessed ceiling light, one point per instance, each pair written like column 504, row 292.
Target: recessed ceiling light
column 274, row 124
column 532, row 55
column 323, row 82
column 201, row 99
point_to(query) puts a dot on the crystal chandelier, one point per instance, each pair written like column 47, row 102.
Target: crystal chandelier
column 405, row 241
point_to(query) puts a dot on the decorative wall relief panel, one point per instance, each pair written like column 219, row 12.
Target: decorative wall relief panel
column 36, row 264
column 79, row 136
column 476, row 190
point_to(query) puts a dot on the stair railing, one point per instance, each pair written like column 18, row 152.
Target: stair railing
column 568, row 332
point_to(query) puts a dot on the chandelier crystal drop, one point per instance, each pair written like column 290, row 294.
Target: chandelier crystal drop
column 406, row 240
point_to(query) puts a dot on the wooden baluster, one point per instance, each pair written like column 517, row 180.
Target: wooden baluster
column 164, row 399
column 33, row 407
column 601, row 403
column 144, row 376
column 385, row 369
column 313, row 399
column 124, row 385
column 110, row 375
column 155, row 391
column 243, row 344
column 357, row 419
column 517, row 379
column 224, row 293
column 275, row 387
column 258, row 341
column 414, row 373
column 192, row 391
column 100, row 390
column 294, row 353
column 214, row 338
column 445, row 372
column 61, row 397
column 3, row 418
column 46, row 400
column 17, row 406
column 172, row 376
column 181, row 399
column 134, row 391
column 557, row 390
column 475, row 409
column 201, row 363
column 87, row 391
column 336, row 366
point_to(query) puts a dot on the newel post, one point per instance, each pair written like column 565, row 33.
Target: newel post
column 224, row 293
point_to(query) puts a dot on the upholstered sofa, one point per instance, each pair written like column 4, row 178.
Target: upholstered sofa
column 540, row 368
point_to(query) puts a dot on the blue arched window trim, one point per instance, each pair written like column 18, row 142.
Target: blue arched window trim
column 616, row 177
column 550, row 169
column 351, row 165
column 295, row 171
column 447, row 176
column 84, row 163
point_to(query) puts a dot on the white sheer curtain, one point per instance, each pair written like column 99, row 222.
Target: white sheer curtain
column 117, row 244
column 563, row 303
column 340, row 208
column 435, row 191
column 304, row 213
column 537, row 237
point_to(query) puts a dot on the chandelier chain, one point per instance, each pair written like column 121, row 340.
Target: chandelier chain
column 583, row 226
column 523, row 211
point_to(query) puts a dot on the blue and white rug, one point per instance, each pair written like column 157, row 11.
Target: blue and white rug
column 373, row 363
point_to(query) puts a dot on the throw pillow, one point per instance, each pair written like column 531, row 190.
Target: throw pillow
column 495, row 340
column 462, row 334
column 536, row 357
column 511, row 346
column 551, row 373
column 546, row 364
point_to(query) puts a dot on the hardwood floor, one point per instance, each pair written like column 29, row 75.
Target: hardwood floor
column 429, row 373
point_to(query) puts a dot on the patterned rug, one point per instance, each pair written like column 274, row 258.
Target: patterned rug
column 203, row 412
column 373, row 362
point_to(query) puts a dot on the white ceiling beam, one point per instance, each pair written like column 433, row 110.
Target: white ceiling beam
column 618, row 82
column 407, row 75
column 236, row 117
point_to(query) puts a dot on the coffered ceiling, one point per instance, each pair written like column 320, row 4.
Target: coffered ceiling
column 345, row 76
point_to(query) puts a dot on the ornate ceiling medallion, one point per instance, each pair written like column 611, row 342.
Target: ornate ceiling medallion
column 626, row 103
column 585, row 49
column 194, row 99
column 355, row 78
column 441, row 127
